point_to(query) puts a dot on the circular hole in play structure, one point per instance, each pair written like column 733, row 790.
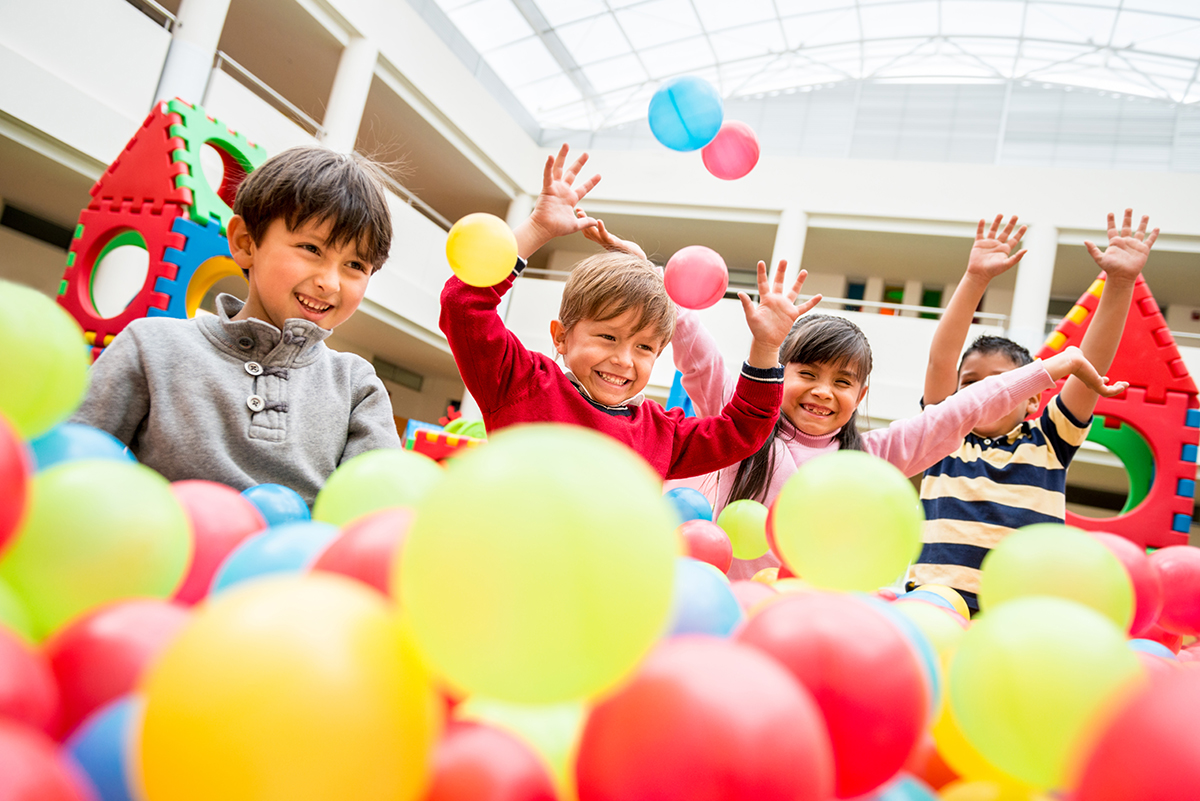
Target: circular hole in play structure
column 212, row 165
column 1112, row 473
column 230, row 285
column 222, row 171
column 119, row 273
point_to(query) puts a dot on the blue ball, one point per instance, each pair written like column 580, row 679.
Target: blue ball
column 101, row 746
column 278, row 504
column 689, row 504
column 1153, row 647
column 289, row 548
column 70, row 441
column 929, row 598
column 904, row 787
column 686, row 113
column 703, row 602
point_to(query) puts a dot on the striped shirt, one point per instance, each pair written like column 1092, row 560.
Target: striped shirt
column 987, row 488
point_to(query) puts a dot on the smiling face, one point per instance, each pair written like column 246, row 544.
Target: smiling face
column 299, row 274
column 819, row 398
column 611, row 358
column 977, row 366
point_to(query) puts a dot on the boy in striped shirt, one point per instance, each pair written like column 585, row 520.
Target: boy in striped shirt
column 1012, row 472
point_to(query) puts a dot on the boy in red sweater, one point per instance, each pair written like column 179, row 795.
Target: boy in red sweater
column 614, row 321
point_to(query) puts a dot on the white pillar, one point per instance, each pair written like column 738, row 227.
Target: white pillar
column 913, row 291
column 1031, row 296
column 789, row 244
column 194, row 39
column 348, row 97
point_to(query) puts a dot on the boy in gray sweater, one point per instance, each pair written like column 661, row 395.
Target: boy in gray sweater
column 253, row 395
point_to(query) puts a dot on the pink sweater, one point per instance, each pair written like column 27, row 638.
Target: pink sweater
column 911, row 445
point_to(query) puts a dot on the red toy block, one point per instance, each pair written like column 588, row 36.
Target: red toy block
column 439, row 445
column 99, row 227
column 145, row 170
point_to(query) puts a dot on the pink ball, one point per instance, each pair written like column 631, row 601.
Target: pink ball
column 367, row 547
column 696, row 277
column 1147, row 588
column 733, row 152
column 708, row 542
column 221, row 519
column 1178, row 568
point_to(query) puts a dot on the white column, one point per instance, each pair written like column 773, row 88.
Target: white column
column 194, row 39
column 789, row 243
column 348, row 97
column 913, row 291
column 1031, row 296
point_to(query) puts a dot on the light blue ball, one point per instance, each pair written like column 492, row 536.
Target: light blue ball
column 70, row 441
column 101, row 746
column 689, row 504
column 703, row 602
column 289, row 548
column 1153, row 647
column 686, row 113
column 278, row 504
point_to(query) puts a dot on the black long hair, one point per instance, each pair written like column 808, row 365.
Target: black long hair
column 814, row 339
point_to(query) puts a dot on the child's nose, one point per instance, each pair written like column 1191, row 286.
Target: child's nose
column 327, row 278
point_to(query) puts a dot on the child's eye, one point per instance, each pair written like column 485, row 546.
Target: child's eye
column 646, row 347
column 358, row 265
column 609, row 337
column 311, row 248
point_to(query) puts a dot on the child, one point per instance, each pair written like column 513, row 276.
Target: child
column 614, row 320
column 1010, row 472
column 252, row 395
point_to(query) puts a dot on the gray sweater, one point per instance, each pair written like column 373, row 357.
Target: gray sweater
column 237, row 401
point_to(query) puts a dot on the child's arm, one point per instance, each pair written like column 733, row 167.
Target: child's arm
column 1122, row 262
column 372, row 424
column 118, row 395
column 553, row 213
column 990, row 256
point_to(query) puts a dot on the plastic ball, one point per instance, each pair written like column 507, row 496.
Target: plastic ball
column 509, row 557
column 28, row 693
column 15, row 469
column 102, row 747
column 290, row 687
column 102, row 655
column 825, row 532
column 375, row 480
column 45, row 361
column 290, row 548
column 551, row 730
column 68, row 441
column 930, row 598
column 34, row 770
column 733, row 152
column 745, row 522
column 222, row 518
column 1049, row 559
column 863, row 673
column 703, row 602
column 751, row 594
column 689, row 504
column 1029, row 678
column 97, row 531
column 956, row 601
column 1147, row 588
column 701, row 714
column 367, row 548
column 475, row 761
column 278, row 504
column 1178, row 568
column 14, row 615
column 686, row 113
column 1152, row 647
column 696, row 277
column 708, row 542
column 481, row 249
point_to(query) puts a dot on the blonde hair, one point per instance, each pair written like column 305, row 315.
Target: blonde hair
column 608, row 285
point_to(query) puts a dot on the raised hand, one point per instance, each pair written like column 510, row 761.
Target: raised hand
column 1071, row 361
column 992, row 254
column 1127, row 249
column 554, row 211
column 772, row 317
column 607, row 240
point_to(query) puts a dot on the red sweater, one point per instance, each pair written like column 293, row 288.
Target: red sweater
column 515, row 385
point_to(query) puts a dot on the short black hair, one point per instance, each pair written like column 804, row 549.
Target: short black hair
column 316, row 183
column 988, row 344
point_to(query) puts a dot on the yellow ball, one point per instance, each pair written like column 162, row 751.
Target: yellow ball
column 378, row 479
column 745, row 522
column 287, row 688
column 951, row 595
column 481, row 249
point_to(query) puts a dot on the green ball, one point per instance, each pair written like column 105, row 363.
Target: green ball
column 1060, row 561
column 848, row 521
column 13, row 613
column 745, row 522
column 96, row 531
column 542, row 569
column 378, row 479
column 45, row 361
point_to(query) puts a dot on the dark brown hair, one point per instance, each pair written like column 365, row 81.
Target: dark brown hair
column 607, row 285
column 814, row 339
column 315, row 183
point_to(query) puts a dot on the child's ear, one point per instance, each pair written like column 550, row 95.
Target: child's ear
column 1032, row 404
column 241, row 243
column 863, row 393
column 558, row 332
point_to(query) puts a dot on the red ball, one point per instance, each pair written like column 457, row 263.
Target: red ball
column 476, row 762
column 696, row 277
column 32, row 769
column 101, row 655
column 708, row 542
column 15, row 469
column 750, row 594
column 221, row 519
column 1147, row 588
column 28, row 693
column 1150, row 750
column 366, row 547
column 733, row 152
column 1168, row 638
column 1179, row 570
column 705, row 719
column 863, row 673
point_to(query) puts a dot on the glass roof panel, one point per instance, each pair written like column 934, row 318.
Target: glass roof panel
column 659, row 21
column 899, row 19
column 687, row 56
column 594, row 39
column 488, row 24
column 563, row 12
column 981, row 18
column 748, row 41
column 717, row 15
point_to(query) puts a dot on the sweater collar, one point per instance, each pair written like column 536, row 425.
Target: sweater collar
column 298, row 344
column 789, row 430
column 633, row 402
